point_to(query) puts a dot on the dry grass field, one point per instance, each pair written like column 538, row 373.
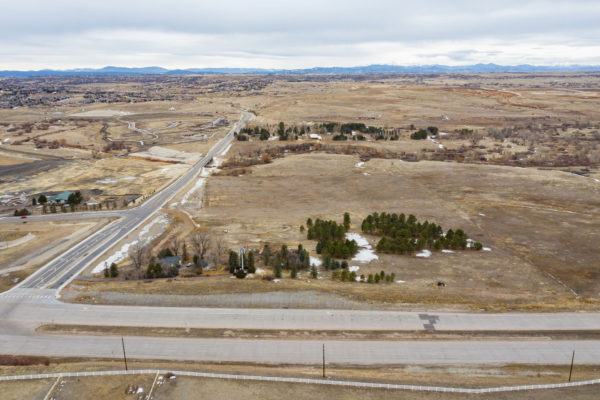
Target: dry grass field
column 117, row 387
column 517, row 169
column 27, row 247
column 540, row 226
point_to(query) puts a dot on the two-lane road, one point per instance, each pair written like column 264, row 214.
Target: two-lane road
column 64, row 268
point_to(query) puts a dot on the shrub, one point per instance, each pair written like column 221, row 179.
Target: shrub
column 344, row 275
column 21, row 212
column 240, row 274
column 419, row 135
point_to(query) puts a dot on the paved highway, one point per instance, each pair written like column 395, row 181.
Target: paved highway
column 63, row 269
column 34, row 302
column 306, row 351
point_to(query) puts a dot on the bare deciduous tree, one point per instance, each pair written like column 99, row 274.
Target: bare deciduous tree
column 218, row 249
column 175, row 245
column 201, row 242
column 138, row 253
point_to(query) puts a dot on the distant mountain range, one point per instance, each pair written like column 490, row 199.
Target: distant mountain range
column 369, row 69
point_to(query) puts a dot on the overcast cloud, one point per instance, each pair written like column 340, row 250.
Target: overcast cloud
column 65, row 34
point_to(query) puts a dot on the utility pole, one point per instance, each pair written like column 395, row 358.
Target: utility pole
column 323, row 360
column 571, row 370
column 124, row 355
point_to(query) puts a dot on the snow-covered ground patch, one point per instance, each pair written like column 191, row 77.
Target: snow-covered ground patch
column 354, row 268
column 399, row 281
column 226, row 149
column 486, row 249
column 481, row 214
column 434, row 141
column 112, row 181
column 315, row 261
column 424, row 254
column 359, row 164
column 162, row 221
column 447, row 251
column 365, row 252
column 198, row 185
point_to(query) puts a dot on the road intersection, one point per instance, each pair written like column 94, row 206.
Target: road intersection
column 34, row 302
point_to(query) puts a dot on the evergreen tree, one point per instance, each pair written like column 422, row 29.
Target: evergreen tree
column 233, row 262
column 250, row 263
column 277, row 266
column 266, row 254
column 114, row 271
column 346, row 221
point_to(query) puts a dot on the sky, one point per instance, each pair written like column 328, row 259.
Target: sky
column 65, row 34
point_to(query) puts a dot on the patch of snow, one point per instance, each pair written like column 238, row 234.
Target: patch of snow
column 400, row 281
column 354, row 268
column 357, row 279
column 123, row 252
column 366, row 174
column 486, row 249
column 359, row 164
column 273, row 138
column 275, row 280
column 596, row 180
column 196, row 187
column 140, row 390
column 315, row 261
column 226, row 150
column 365, row 253
column 259, row 271
column 442, row 133
column 6, row 140
column 164, row 170
column 424, row 254
column 360, row 241
column 481, row 214
column 365, row 256
column 112, row 181
column 106, row 181
column 315, row 136
column 447, row 251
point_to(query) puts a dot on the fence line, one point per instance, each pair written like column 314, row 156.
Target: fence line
column 304, row 380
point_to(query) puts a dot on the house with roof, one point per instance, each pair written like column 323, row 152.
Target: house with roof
column 60, row 198
column 171, row 261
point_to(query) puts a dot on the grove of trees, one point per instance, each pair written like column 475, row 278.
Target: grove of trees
column 331, row 237
column 402, row 234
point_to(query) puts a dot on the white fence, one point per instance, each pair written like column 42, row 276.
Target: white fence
column 304, row 380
